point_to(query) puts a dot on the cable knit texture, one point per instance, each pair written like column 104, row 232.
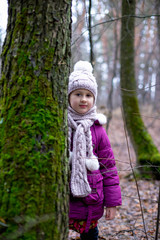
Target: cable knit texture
column 82, row 77
column 82, row 157
column 79, row 125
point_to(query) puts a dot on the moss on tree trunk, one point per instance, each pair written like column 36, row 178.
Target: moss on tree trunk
column 146, row 151
column 33, row 126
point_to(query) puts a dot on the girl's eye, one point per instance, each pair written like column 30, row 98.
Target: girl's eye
column 88, row 95
column 78, row 94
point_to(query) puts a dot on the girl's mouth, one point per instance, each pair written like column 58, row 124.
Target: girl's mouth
column 83, row 106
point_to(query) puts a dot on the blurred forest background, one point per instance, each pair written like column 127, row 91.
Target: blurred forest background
column 105, row 47
column 96, row 37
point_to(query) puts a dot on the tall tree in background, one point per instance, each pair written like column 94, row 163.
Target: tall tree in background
column 90, row 33
column 157, row 89
column 144, row 147
column 33, row 98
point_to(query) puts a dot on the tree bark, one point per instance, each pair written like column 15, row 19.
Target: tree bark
column 33, row 123
column 146, row 151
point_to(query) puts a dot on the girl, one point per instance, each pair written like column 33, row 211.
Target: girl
column 94, row 180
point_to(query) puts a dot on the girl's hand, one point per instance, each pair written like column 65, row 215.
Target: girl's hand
column 110, row 213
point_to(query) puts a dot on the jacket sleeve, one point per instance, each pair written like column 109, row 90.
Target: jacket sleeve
column 111, row 188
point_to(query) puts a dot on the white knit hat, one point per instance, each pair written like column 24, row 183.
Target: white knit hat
column 82, row 77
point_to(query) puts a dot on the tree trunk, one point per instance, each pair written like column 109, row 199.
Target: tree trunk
column 114, row 71
column 90, row 34
column 146, row 152
column 157, row 89
column 33, row 124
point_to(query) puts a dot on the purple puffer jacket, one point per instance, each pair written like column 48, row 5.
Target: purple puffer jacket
column 103, row 182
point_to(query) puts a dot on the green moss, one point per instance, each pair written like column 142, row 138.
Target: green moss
column 155, row 158
column 35, row 146
column 33, row 142
column 49, row 59
column 142, row 141
column 20, row 24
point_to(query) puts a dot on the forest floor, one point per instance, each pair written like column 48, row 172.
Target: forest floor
column 137, row 217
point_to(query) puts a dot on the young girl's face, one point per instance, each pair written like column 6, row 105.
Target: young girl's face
column 81, row 100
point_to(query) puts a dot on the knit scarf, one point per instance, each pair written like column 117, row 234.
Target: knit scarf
column 79, row 125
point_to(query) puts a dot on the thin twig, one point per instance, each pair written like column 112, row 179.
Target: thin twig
column 158, row 216
column 134, row 176
column 143, row 199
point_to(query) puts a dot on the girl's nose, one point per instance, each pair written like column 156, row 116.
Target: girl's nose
column 83, row 99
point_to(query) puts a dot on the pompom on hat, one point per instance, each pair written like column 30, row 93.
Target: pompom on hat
column 82, row 78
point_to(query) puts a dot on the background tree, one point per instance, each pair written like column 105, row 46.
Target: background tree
column 90, row 33
column 33, row 99
column 157, row 90
column 145, row 149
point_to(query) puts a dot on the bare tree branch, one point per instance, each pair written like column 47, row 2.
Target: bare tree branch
column 116, row 19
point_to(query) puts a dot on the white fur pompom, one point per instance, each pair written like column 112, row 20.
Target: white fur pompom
column 101, row 118
column 92, row 163
column 83, row 66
